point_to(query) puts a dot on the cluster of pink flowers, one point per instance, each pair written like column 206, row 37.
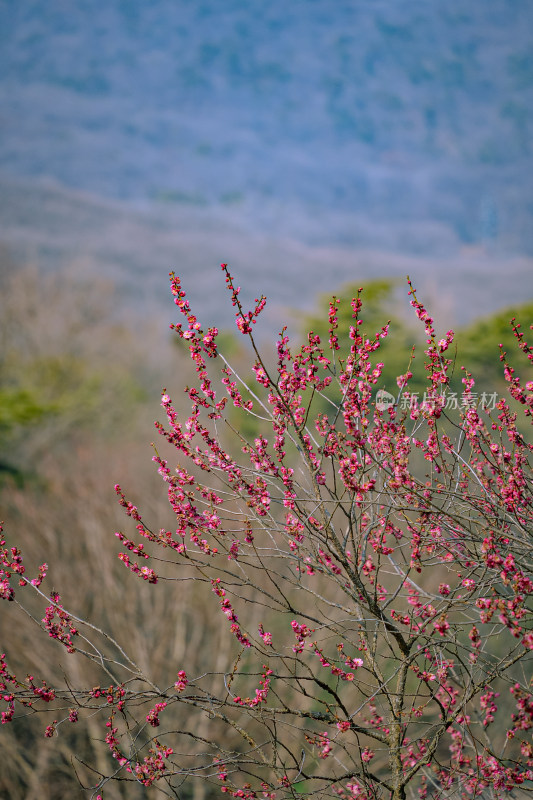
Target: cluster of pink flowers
column 266, row 636
column 338, row 672
column 153, row 766
column 182, row 682
column 152, row 718
column 302, row 632
column 10, row 565
column 229, row 612
column 146, row 573
column 260, row 694
column 63, row 629
column 322, row 743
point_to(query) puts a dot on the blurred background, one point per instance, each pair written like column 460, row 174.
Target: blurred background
column 306, row 143
column 310, row 144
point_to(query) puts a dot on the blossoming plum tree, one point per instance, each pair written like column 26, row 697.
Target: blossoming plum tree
column 372, row 566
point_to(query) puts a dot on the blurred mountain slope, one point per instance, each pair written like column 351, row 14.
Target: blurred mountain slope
column 60, row 229
column 406, row 113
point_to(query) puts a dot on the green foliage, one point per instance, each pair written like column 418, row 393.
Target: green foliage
column 19, row 409
column 61, row 370
column 19, row 406
column 478, row 345
column 378, row 308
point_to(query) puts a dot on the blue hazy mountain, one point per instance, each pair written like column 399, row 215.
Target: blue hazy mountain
column 307, row 142
column 404, row 112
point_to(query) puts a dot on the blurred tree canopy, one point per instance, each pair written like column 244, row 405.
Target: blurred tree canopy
column 378, row 308
column 476, row 345
column 66, row 368
column 479, row 343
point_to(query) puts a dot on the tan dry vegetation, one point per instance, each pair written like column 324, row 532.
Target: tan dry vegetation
column 92, row 386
